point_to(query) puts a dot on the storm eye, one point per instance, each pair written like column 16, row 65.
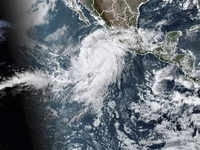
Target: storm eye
column 167, row 85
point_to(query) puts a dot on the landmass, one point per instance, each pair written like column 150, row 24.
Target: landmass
column 118, row 13
column 169, row 52
column 124, row 14
column 115, row 13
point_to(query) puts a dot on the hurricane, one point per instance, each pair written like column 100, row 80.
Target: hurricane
column 112, row 88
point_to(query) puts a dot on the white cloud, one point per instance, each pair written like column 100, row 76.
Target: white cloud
column 100, row 63
column 57, row 34
column 4, row 24
column 34, row 12
column 35, row 79
column 40, row 14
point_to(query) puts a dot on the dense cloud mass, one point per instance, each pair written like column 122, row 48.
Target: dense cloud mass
column 70, row 80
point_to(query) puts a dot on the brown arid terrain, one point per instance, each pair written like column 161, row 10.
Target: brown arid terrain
column 119, row 13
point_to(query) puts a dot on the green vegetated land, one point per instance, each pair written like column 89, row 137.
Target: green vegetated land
column 124, row 13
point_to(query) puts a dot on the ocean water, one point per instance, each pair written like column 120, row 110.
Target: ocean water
column 96, row 93
column 168, row 15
